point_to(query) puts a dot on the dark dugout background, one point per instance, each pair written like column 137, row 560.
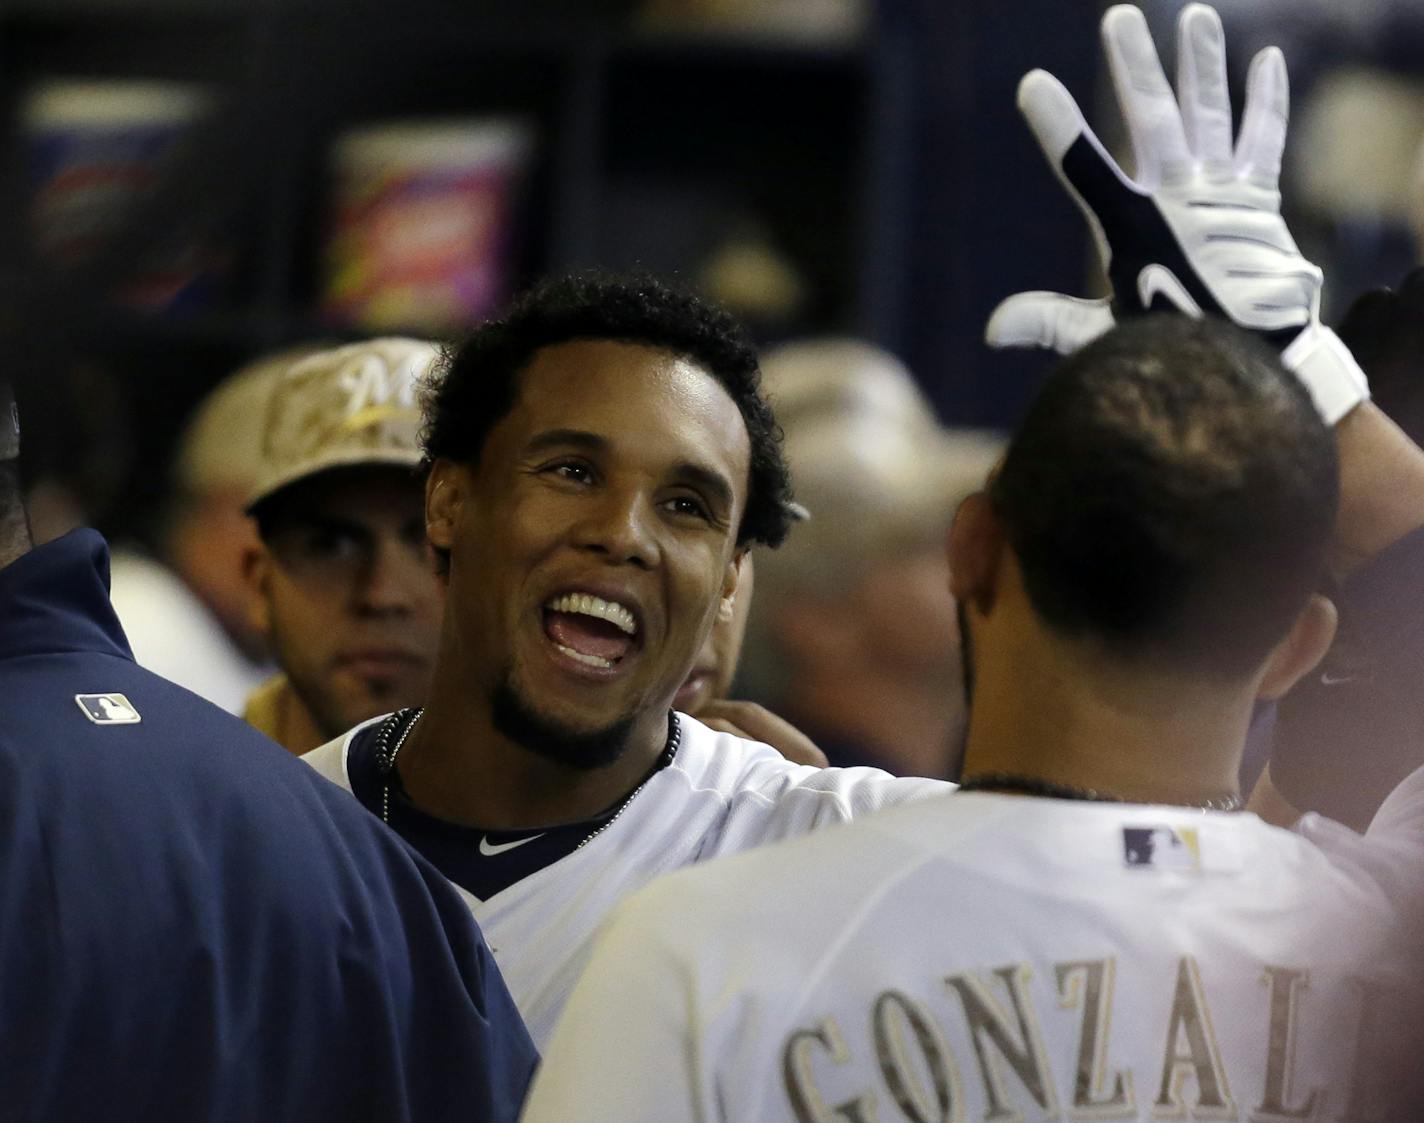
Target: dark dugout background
column 893, row 171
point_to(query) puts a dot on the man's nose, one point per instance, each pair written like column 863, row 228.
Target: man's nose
column 620, row 525
column 390, row 580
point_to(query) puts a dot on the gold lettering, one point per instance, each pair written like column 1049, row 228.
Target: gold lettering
column 806, row 1101
column 1021, row 1047
column 1280, row 1048
column 893, row 1012
column 1096, row 978
column 1200, row 1060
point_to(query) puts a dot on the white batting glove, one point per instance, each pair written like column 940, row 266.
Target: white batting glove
column 1199, row 229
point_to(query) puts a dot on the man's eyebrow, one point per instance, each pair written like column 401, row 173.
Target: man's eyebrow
column 718, row 487
column 564, row 438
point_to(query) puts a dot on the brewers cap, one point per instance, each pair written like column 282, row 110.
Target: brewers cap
column 220, row 448
column 345, row 407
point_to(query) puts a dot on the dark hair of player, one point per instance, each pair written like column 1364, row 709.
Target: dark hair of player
column 478, row 381
column 1171, row 495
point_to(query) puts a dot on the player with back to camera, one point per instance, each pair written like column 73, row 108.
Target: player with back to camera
column 192, row 924
column 1087, row 927
column 601, row 461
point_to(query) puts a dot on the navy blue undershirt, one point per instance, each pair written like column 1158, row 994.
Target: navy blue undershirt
column 479, row 861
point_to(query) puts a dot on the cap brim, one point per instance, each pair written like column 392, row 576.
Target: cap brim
column 391, row 458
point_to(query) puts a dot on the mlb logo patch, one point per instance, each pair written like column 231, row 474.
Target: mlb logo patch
column 1161, row 848
column 108, row 709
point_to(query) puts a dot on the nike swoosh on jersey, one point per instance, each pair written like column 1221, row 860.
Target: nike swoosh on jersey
column 489, row 850
column 1158, row 279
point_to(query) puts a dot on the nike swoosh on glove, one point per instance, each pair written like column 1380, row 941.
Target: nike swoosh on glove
column 1199, row 230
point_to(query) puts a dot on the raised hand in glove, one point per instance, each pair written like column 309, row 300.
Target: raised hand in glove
column 1199, row 230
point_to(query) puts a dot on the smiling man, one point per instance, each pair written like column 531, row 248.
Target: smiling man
column 601, row 460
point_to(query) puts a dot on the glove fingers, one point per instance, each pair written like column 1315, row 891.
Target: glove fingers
column 1202, row 89
column 1284, row 302
column 1047, row 319
column 1078, row 158
column 1263, row 121
column 1052, row 114
column 1149, row 108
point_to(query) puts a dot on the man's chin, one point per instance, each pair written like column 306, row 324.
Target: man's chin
column 575, row 745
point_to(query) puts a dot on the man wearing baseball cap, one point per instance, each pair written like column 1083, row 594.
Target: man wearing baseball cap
column 344, row 587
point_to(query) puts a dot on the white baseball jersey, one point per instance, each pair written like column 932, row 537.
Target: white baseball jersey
column 720, row 795
column 993, row 957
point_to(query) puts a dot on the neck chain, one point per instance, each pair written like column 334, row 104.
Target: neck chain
column 386, row 753
column 670, row 746
column 1031, row 785
column 391, row 737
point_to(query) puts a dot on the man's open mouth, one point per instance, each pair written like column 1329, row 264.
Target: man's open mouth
column 590, row 630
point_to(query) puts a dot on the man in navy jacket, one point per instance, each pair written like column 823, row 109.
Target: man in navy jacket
column 193, row 924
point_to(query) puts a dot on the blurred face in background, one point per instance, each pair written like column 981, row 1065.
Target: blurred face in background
column 347, row 594
column 208, row 543
column 907, row 615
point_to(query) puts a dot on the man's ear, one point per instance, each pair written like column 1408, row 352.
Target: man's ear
column 731, row 582
column 444, row 495
column 257, row 577
column 976, row 542
column 1300, row 649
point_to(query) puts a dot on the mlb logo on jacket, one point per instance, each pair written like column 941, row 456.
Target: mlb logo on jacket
column 108, row 709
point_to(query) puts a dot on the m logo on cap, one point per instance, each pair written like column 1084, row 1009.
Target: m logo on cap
column 353, row 405
column 372, row 383
column 108, row 709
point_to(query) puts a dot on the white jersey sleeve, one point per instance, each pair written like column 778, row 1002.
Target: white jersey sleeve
column 1401, row 816
column 766, row 798
column 1390, row 853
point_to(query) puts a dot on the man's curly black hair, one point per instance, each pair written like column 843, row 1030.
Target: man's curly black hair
column 477, row 383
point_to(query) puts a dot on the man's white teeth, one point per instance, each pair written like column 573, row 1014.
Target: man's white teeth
column 586, row 604
column 592, row 660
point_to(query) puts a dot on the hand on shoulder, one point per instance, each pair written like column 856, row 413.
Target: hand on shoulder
column 757, row 723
